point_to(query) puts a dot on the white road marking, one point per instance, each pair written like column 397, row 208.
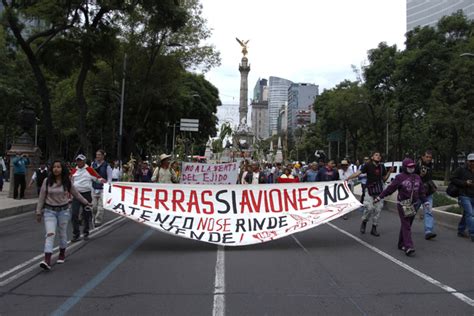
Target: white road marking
column 93, row 232
column 218, row 308
column 405, row 266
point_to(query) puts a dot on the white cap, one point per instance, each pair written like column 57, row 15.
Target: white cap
column 81, row 157
column 470, row 157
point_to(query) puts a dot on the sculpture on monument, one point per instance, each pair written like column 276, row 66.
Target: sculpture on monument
column 244, row 46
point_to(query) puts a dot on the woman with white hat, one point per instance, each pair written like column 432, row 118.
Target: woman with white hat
column 164, row 173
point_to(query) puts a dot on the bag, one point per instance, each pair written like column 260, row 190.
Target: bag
column 407, row 205
column 408, row 208
column 452, row 190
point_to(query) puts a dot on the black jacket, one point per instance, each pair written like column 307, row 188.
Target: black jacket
column 460, row 177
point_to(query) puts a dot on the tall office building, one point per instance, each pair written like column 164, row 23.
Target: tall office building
column 259, row 91
column 301, row 96
column 259, row 110
column 429, row 12
column 277, row 98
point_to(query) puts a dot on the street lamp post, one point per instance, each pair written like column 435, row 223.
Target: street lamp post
column 122, row 99
column 36, row 131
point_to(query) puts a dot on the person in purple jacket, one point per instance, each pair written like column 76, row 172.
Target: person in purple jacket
column 408, row 184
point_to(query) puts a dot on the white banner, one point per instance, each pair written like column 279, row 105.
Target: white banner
column 231, row 215
column 203, row 173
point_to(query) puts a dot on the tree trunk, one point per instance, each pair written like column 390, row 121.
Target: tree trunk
column 42, row 87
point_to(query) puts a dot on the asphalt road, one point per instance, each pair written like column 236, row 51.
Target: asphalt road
column 128, row 269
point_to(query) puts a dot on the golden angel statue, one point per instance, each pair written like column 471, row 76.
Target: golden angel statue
column 244, row 45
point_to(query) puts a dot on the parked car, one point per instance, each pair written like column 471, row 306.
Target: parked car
column 397, row 166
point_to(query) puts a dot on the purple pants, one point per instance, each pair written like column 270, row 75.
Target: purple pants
column 404, row 239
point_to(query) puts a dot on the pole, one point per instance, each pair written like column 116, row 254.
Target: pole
column 36, row 132
column 386, row 141
column 122, row 99
column 174, row 139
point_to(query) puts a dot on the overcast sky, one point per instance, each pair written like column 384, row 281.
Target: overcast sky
column 313, row 41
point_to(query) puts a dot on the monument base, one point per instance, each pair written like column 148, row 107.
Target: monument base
column 24, row 145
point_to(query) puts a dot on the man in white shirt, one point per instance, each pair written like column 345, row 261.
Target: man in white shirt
column 344, row 173
column 3, row 171
column 83, row 177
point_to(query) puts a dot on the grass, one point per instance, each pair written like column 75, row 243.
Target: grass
column 455, row 210
column 442, row 200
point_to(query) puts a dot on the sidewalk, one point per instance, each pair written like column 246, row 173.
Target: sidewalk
column 10, row 207
column 442, row 218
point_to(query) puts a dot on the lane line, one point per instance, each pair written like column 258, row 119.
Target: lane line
column 101, row 276
column 218, row 308
column 405, row 266
column 109, row 225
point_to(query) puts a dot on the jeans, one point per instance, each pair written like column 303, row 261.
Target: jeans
column 86, row 215
column 19, row 180
column 97, row 206
column 467, row 220
column 372, row 209
column 428, row 219
column 52, row 221
column 1, row 183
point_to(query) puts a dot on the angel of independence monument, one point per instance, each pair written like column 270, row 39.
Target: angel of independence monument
column 243, row 137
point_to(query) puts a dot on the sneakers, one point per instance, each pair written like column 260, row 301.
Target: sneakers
column 45, row 266
column 86, row 237
column 410, row 252
column 363, row 226
column 462, row 235
column 402, row 248
column 429, row 236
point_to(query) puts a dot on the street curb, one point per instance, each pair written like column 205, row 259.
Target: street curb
column 442, row 218
column 11, row 211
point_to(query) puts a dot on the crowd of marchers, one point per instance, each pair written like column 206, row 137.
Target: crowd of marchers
column 73, row 192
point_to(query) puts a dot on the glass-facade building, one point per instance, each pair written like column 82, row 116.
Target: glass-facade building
column 429, row 12
column 277, row 98
column 301, row 97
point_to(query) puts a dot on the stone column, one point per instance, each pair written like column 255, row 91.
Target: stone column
column 244, row 69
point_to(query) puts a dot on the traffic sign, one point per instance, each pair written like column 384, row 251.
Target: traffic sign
column 189, row 125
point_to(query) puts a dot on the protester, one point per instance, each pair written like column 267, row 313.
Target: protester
column 254, row 175
column 287, row 177
column 116, row 171
column 105, row 171
column 38, row 176
column 424, row 168
column 164, row 173
column 311, row 174
column 175, row 167
column 376, row 177
column 145, row 173
column 20, row 164
column 328, row 172
column 82, row 177
column 53, row 205
column 463, row 179
column 126, row 176
column 3, row 171
column 410, row 189
column 344, row 173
